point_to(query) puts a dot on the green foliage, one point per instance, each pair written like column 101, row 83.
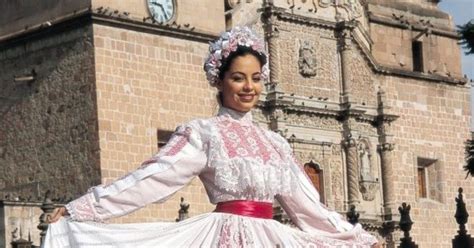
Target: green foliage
column 469, row 167
column 467, row 36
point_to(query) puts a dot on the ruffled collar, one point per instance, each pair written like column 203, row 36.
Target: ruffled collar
column 243, row 117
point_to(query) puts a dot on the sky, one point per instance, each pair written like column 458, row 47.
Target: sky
column 461, row 11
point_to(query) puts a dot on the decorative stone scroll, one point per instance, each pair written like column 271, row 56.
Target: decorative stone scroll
column 307, row 60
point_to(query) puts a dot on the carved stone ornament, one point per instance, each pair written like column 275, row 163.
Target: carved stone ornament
column 368, row 189
column 351, row 8
column 367, row 184
column 307, row 60
column 325, row 3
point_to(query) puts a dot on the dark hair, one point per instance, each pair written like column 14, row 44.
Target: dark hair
column 241, row 51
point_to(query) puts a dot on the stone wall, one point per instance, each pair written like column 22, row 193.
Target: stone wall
column 326, row 81
column 433, row 124
column 362, row 87
column 49, row 126
column 147, row 83
column 19, row 220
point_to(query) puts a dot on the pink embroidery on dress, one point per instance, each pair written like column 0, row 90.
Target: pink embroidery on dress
column 176, row 143
column 148, row 162
column 241, row 141
column 82, row 209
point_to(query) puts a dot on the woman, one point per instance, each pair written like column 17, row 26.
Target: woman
column 243, row 168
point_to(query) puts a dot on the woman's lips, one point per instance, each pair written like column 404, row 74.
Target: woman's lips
column 246, row 98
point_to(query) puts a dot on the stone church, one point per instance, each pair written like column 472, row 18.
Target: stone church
column 369, row 94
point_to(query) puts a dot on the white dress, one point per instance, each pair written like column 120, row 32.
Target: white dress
column 236, row 160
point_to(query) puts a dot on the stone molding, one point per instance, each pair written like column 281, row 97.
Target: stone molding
column 326, row 109
column 108, row 18
column 403, row 24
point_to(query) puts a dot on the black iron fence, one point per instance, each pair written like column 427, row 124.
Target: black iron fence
column 461, row 240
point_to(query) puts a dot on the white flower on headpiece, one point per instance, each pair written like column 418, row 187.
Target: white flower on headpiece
column 227, row 43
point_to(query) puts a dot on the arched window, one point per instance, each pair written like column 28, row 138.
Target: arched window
column 315, row 174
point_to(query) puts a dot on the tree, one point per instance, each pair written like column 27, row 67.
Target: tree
column 469, row 166
column 467, row 36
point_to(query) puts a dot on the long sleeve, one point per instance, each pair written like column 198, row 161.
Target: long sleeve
column 155, row 180
column 306, row 211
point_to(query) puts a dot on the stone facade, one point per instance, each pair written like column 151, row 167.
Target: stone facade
column 49, row 124
column 345, row 95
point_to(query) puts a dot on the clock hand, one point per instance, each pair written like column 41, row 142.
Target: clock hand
column 161, row 6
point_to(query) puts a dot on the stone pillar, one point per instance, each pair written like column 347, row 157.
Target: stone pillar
column 385, row 151
column 345, row 50
column 271, row 35
column 352, row 171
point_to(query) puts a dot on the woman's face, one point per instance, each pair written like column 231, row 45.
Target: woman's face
column 241, row 86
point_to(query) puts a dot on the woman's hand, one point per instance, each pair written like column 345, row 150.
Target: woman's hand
column 57, row 214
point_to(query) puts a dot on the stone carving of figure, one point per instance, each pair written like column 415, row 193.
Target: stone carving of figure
column 307, row 60
column 368, row 184
column 364, row 161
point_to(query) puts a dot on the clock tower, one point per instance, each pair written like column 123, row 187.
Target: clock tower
column 162, row 11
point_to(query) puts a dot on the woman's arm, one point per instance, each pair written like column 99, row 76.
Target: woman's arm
column 155, row 180
column 306, row 211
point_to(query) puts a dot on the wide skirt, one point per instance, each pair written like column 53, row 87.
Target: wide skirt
column 206, row 230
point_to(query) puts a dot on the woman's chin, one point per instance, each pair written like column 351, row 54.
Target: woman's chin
column 243, row 107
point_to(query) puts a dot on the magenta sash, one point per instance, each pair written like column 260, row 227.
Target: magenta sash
column 254, row 209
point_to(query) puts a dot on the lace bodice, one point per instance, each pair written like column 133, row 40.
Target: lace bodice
column 244, row 160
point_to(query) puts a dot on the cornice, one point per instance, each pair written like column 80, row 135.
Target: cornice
column 339, row 112
column 284, row 15
column 109, row 18
column 293, row 139
column 175, row 30
column 373, row 18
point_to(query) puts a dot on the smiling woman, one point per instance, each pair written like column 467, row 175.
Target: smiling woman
column 243, row 167
column 240, row 86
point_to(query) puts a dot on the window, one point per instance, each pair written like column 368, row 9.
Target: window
column 421, row 182
column 163, row 136
column 429, row 179
column 315, row 174
column 417, row 54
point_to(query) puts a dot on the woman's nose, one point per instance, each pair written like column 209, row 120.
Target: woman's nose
column 248, row 86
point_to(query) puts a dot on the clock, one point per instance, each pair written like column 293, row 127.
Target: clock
column 162, row 10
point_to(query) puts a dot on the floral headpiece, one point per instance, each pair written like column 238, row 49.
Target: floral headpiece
column 227, row 43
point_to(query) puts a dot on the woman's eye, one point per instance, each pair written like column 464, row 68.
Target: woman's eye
column 257, row 79
column 238, row 79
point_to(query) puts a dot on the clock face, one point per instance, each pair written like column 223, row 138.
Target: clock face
column 162, row 10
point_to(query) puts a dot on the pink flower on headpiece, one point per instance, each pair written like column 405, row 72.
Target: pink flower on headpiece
column 228, row 42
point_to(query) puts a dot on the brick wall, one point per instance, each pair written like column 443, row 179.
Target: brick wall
column 434, row 123
column 147, row 82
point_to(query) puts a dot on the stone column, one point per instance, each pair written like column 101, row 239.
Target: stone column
column 385, row 151
column 271, row 35
column 345, row 50
column 352, row 171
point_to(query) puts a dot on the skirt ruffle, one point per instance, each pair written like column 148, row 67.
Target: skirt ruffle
column 206, row 230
